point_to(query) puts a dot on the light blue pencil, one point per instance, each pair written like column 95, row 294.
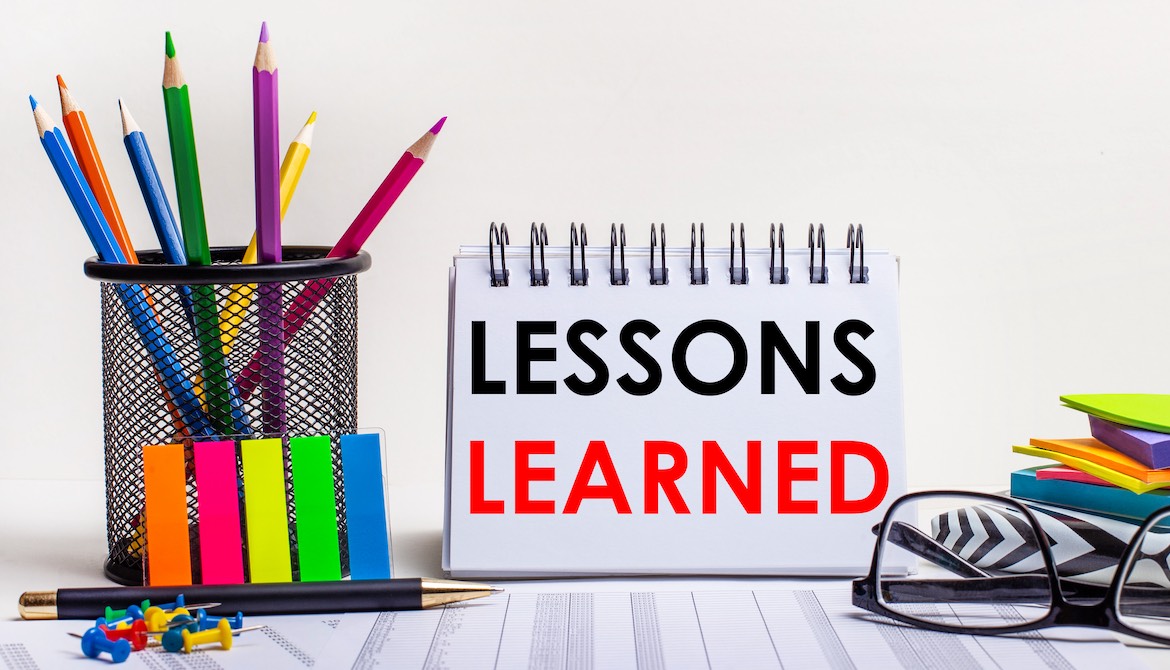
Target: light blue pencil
column 169, row 236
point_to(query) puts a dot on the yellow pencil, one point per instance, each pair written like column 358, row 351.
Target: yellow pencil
column 290, row 173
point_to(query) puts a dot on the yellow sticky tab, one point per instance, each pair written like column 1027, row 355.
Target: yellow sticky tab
column 266, row 507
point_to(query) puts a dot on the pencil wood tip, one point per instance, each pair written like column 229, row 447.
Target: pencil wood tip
column 263, row 31
column 128, row 124
column 68, row 104
column 438, row 126
column 170, row 46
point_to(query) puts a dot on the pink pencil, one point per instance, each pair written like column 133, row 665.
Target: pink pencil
column 266, row 133
column 350, row 243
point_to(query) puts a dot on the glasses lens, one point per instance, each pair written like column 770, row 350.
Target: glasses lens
column 963, row 561
column 1144, row 599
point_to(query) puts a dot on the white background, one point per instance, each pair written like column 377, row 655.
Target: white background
column 1015, row 155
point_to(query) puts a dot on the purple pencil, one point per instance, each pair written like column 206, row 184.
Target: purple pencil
column 266, row 132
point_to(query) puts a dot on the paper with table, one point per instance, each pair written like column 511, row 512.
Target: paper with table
column 690, row 629
column 761, row 628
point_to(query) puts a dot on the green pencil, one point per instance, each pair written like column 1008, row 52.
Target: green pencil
column 217, row 385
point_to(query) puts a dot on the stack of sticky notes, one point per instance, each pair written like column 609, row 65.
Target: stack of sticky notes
column 1123, row 471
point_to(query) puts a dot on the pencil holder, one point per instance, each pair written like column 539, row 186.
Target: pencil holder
column 221, row 351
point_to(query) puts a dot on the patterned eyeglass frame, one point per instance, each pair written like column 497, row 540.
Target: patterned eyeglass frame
column 1101, row 614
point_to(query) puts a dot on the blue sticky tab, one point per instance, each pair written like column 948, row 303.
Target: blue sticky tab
column 365, row 506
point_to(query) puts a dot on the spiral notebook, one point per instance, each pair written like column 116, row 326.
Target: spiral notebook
column 649, row 409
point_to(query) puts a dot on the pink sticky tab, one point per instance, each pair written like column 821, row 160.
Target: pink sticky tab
column 220, row 544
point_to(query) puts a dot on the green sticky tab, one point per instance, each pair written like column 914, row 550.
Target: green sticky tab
column 265, row 503
column 318, row 547
column 1140, row 410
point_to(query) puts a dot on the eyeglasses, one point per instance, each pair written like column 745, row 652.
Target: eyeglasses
column 983, row 564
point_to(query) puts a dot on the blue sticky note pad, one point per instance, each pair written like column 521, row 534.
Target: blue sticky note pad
column 365, row 506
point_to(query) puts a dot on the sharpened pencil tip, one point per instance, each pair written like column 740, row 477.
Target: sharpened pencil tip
column 170, row 46
column 263, row 31
column 438, row 126
column 312, row 118
column 61, row 82
column 33, row 102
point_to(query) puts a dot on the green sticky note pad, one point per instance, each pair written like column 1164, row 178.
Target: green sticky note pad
column 266, row 511
column 318, row 547
column 1140, row 410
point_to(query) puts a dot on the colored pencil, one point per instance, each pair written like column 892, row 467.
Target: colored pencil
column 223, row 405
column 175, row 381
column 181, row 133
column 266, row 143
column 350, row 243
column 157, row 204
column 150, row 183
column 232, row 315
column 86, row 153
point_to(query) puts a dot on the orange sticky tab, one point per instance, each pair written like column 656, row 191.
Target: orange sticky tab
column 168, row 542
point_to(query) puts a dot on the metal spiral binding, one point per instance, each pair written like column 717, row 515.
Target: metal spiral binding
column 658, row 276
column 618, row 276
column 699, row 277
column 817, row 275
column 577, row 276
column 498, row 236
column 858, row 274
column 538, row 277
column 739, row 275
column 775, row 277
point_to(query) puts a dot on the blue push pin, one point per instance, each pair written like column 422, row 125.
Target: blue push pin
column 172, row 640
column 207, row 622
column 180, row 601
column 95, row 642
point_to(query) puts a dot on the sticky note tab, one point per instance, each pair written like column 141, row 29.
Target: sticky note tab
column 365, row 506
column 266, row 510
column 1140, row 410
column 168, row 542
column 218, row 498
column 318, row 548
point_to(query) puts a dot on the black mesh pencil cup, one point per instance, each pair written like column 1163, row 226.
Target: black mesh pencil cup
column 225, row 351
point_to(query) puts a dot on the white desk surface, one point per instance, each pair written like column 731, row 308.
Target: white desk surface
column 52, row 535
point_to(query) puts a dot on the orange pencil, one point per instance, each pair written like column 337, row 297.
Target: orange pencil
column 91, row 167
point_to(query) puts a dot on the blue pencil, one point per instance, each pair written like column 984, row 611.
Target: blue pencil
column 133, row 297
column 169, row 236
column 157, row 205
column 165, row 226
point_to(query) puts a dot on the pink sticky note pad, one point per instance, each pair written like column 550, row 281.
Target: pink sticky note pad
column 220, row 545
column 1065, row 473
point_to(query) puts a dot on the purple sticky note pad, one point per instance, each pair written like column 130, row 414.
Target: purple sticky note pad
column 1145, row 446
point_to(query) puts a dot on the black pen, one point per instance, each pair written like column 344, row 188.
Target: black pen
column 368, row 595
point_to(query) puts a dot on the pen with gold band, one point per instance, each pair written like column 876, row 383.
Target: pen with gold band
column 371, row 595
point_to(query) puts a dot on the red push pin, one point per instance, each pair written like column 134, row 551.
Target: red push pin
column 135, row 634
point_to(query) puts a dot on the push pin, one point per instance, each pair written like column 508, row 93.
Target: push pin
column 172, row 640
column 180, row 601
column 157, row 620
column 135, row 634
column 95, row 642
column 124, row 622
column 131, row 612
column 222, row 633
column 207, row 621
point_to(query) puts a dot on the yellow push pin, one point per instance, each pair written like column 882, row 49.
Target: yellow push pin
column 222, row 633
column 158, row 619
